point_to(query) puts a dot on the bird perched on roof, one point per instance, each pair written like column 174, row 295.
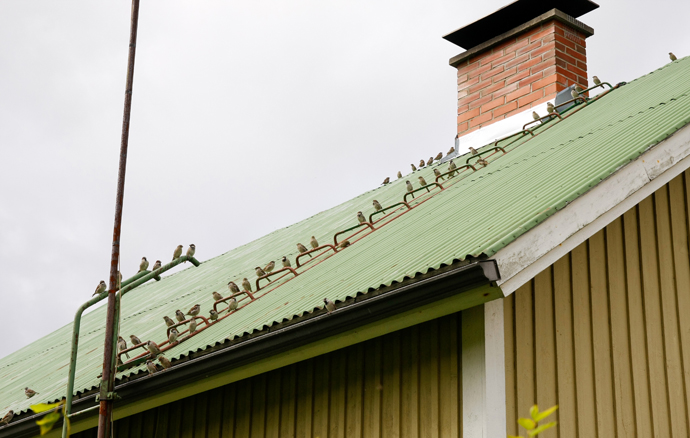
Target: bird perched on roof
column 179, row 316
column 422, row 181
column 7, row 418
column 144, row 265
column 672, row 56
column 29, row 392
column 217, row 296
column 190, row 251
column 302, row 249
column 386, row 181
column 330, row 305
column 233, row 287
column 152, row 347
column 194, row 310
column 409, row 186
column 156, row 265
column 596, row 80
column 246, row 285
column 399, row 174
column 574, row 93
column 360, row 217
column 450, row 151
column 414, row 168
column 451, row 165
column 421, row 163
column 377, row 206
column 437, row 173
column 232, row 304
column 269, row 266
column 313, row 242
column 430, row 161
column 122, row 345
column 535, row 116
column 169, row 322
column 550, row 108
column 439, row 156
column 483, row 162
column 177, row 253
column 192, row 325
column 259, row 272
column 172, row 336
column 473, row 151
column 165, row 362
column 135, row 340
column 344, row 244
column 151, row 367
column 100, row 288
column 451, row 169
column 214, row 315
column 286, row 262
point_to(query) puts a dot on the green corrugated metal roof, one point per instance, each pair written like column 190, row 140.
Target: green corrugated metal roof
column 478, row 215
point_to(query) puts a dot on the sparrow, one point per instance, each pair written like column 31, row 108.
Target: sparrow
column 144, row 264
column 550, row 108
column 431, row 160
column 7, row 418
column 413, row 167
column 217, row 296
column 233, row 287
column 135, row 340
column 246, row 285
column 191, row 250
column 302, row 249
column 259, row 272
column 535, row 116
column 344, row 244
column 29, row 392
column 286, row 262
column 596, row 80
column 194, row 311
column 421, row 163
column 192, row 325
column 483, row 162
column 122, row 345
column 179, row 316
column 437, row 173
column 409, row 186
column 451, row 150
column 214, row 315
column 178, row 252
column 330, row 305
column 399, row 174
column 377, row 206
column 451, row 165
column 269, row 267
column 422, row 181
column 100, row 288
column 169, row 322
column 156, row 265
column 473, row 151
column 672, row 56
column 151, row 367
column 232, row 304
column 153, row 348
column 360, row 217
column 574, row 93
column 386, row 181
column 165, row 362
column 313, row 242
column 172, row 336
column 439, row 156
column 578, row 88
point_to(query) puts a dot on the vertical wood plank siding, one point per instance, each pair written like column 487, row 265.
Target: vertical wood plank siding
column 406, row 384
column 605, row 331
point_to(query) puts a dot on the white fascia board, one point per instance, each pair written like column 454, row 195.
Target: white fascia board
column 544, row 244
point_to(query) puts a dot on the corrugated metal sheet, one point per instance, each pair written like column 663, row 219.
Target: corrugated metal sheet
column 477, row 215
column 604, row 333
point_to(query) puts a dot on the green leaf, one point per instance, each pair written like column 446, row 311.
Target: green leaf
column 542, row 428
column 527, row 423
column 42, row 407
column 534, row 412
column 545, row 413
column 48, row 421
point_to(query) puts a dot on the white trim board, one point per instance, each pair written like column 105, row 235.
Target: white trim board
column 544, row 244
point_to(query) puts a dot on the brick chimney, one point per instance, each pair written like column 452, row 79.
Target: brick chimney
column 519, row 57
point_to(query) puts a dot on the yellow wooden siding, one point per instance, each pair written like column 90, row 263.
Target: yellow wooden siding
column 406, row 384
column 605, row 331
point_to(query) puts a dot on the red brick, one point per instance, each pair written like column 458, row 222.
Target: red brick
column 468, row 83
column 581, row 56
column 495, row 87
column 481, row 119
column 468, row 115
column 466, row 67
column 463, row 108
column 570, row 75
column 577, row 71
column 518, row 93
column 560, row 63
column 505, row 58
column 505, row 74
column 493, row 72
column 505, row 108
column 528, row 64
column 553, row 89
column 574, row 37
column 468, row 99
column 517, row 77
column 548, row 30
column 479, row 86
column 530, row 98
column 566, row 42
column 546, row 64
column 478, row 71
column 462, row 78
column 542, row 83
column 505, row 90
column 528, row 48
column 533, row 78
column 567, row 58
column 519, row 60
column 506, row 44
column 490, row 57
column 580, row 64
column 463, row 127
column 522, row 42
column 467, row 131
column 560, row 46
column 479, row 102
column 548, row 47
column 542, row 100
column 537, row 30
column 549, row 70
column 493, row 104
column 548, row 38
column 461, row 94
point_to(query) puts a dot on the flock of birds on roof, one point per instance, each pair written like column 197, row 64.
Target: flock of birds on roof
column 329, row 305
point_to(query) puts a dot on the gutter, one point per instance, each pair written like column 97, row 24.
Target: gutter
column 368, row 308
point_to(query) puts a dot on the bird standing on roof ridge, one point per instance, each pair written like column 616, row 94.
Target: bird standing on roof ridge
column 286, row 262
column 344, row 244
column 430, row 161
column 438, row 174
column 451, row 150
column 422, row 181
column 169, row 322
column 672, row 56
column 439, row 156
column 313, row 242
column 156, row 265
column 179, row 316
column 190, row 251
column 269, row 267
column 151, row 367
column 233, row 287
column 421, row 163
column 596, row 81
column 302, row 249
column 386, row 181
column 29, row 392
column 414, row 169
column 360, row 217
column 172, row 336
column 535, row 116
column 377, row 206
column 177, row 253
column 135, row 340
column 194, row 310
column 214, row 315
column 473, row 151
column 7, row 418
column 164, row 362
column 409, row 186
column 153, row 348
column 259, row 272
column 192, row 326
column 100, row 288
column 330, row 305
column 246, row 285
column 232, row 304
column 217, row 296
column 122, row 345
column 144, row 265
column 399, row 174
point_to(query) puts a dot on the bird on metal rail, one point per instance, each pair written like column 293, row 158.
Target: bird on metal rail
column 233, row 287
column 144, row 265
column 344, row 244
column 302, row 249
column 672, row 56
column 194, row 310
column 413, row 167
column 122, row 345
column 438, row 174
column 386, row 181
column 259, row 272
column 169, row 322
column 574, row 93
column 431, row 160
column 313, row 242
column 151, row 367
column 135, row 340
column 192, row 325
column 165, row 362
column 451, row 150
column 483, row 162
column 214, row 315
column 409, row 186
column 172, row 336
column 232, row 304
column 399, row 174
column 29, row 392
column 596, row 81
column 217, row 296
column 246, row 285
column 179, row 316
column 190, row 251
column 550, row 108
column 100, row 288
column 473, row 151
column 7, row 418
column 377, row 206
column 156, row 265
column 451, row 169
column 422, row 181
column 269, row 266
column 439, row 156
column 286, row 262
column 329, row 305
column 153, row 348
column 360, row 217
column 177, row 253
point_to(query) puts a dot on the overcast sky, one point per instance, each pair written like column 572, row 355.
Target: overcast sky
column 307, row 103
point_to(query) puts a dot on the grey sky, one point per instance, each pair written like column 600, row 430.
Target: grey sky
column 247, row 117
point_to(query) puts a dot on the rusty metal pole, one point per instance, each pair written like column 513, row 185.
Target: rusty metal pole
column 106, row 395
